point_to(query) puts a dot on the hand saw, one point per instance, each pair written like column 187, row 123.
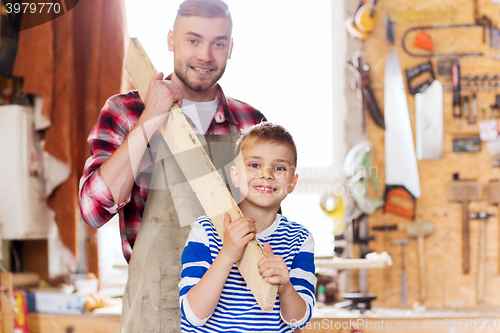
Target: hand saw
column 401, row 171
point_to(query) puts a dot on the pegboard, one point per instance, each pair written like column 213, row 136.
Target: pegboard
column 447, row 286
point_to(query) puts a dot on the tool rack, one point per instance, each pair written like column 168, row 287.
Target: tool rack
column 447, row 285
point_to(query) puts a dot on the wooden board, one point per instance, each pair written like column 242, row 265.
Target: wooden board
column 447, row 286
column 7, row 310
column 210, row 189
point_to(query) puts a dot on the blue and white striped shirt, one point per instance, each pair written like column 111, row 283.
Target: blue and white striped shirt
column 237, row 310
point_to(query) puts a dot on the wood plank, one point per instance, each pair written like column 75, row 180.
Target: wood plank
column 7, row 284
column 210, row 189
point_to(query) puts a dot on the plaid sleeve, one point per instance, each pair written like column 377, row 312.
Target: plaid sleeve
column 113, row 125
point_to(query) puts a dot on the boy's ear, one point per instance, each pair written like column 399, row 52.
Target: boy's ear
column 293, row 183
column 170, row 40
column 234, row 176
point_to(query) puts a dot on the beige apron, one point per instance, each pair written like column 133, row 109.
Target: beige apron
column 151, row 301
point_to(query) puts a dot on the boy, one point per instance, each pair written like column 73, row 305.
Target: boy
column 213, row 295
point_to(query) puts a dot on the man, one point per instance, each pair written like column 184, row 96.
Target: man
column 117, row 176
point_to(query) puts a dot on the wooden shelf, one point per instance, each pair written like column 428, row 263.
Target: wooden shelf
column 350, row 263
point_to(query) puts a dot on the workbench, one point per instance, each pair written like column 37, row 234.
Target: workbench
column 380, row 320
column 83, row 323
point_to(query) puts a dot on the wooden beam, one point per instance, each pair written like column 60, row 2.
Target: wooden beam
column 210, row 189
column 7, row 292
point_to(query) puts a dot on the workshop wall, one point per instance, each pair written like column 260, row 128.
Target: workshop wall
column 447, row 286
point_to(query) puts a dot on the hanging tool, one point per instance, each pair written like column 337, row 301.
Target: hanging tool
column 404, row 289
column 389, row 29
column 481, row 270
column 423, row 41
column 444, row 66
column 417, row 71
column 420, row 230
column 429, row 122
column 336, row 213
column 494, row 199
column 455, row 77
column 362, row 238
column 467, row 107
column 475, row 83
column 467, row 145
column 465, row 191
column 362, row 73
column 361, row 235
column 358, row 169
column 386, row 229
column 485, row 23
column 496, row 37
column 444, row 26
column 362, row 24
column 354, row 31
column 473, row 120
column 366, row 17
column 401, row 164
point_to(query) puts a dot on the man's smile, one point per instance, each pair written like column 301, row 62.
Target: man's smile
column 201, row 70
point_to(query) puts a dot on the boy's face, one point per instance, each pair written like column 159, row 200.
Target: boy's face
column 264, row 174
column 201, row 48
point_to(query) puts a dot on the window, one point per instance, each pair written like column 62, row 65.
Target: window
column 288, row 61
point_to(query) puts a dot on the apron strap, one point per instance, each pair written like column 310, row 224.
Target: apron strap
column 233, row 128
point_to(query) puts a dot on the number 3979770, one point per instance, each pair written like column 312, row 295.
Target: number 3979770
column 27, row 7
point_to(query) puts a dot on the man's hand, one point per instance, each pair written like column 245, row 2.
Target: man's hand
column 159, row 99
column 274, row 269
column 237, row 234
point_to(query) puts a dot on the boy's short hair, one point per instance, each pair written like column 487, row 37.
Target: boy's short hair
column 204, row 8
column 266, row 132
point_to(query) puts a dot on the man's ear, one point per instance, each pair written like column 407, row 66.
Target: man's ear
column 234, row 176
column 231, row 49
column 170, row 40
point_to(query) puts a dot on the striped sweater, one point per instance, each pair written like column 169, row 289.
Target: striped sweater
column 237, row 310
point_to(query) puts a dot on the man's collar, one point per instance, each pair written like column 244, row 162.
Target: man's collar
column 223, row 108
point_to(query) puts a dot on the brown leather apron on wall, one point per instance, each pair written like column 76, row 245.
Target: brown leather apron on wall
column 151, row 300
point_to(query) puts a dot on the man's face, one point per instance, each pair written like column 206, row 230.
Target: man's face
column 201, row 48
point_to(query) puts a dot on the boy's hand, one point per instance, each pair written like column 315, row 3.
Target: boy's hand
column 274, row 269
column 237, row 234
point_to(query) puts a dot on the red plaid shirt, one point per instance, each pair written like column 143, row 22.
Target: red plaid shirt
column 118, row 116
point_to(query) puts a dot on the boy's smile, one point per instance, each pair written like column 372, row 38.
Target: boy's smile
column 265, row 175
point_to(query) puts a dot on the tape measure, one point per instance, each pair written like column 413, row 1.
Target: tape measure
column 336, row 213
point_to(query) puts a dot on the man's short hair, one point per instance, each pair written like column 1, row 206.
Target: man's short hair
column 266, row 132
column 204, row 8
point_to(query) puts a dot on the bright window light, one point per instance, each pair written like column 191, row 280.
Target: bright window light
column 284, row 64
